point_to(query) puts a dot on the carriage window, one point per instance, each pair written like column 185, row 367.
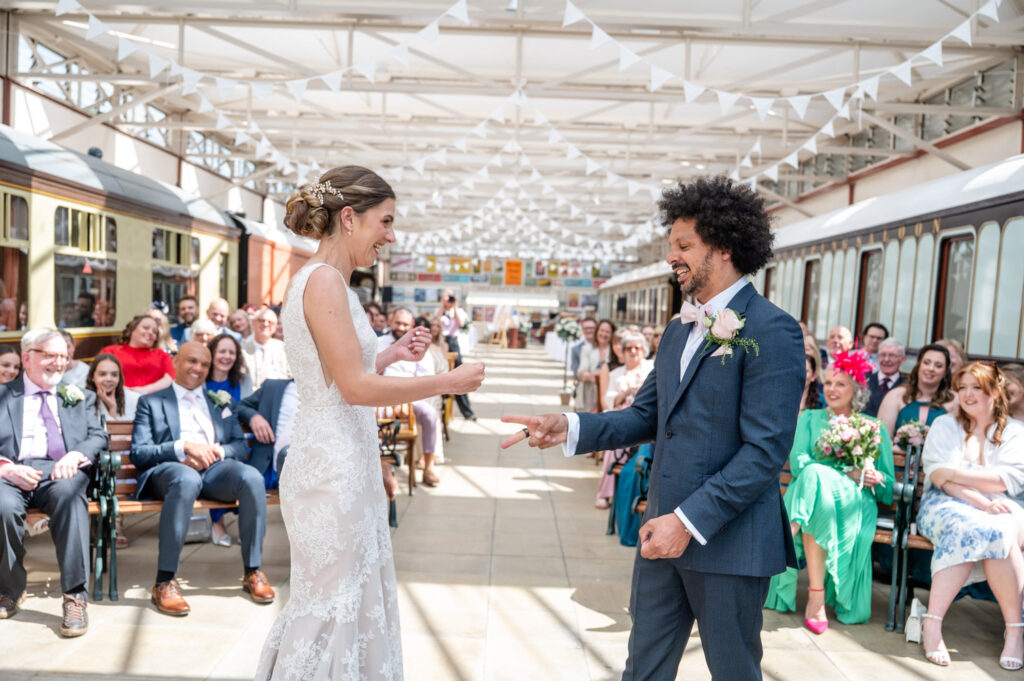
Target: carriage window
column 159, row 244
column 83, row 231
column 771, row 284
column 61, row 233
column 812, row 281
column 84, row 291
column 983, row 296
column 954, row 288
column 1006, row 325
column 110, row 240
column 19, row 219
column 171, row 283
column 195, row 251
column 869, row 293
column 904, row 289
column 13, row 287
column 223, row 267
column 922, row 292
column 888, row 293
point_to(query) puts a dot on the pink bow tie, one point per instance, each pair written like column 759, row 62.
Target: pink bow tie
column 689, row 313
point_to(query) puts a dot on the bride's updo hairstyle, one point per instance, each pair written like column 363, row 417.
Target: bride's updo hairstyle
column 313, row 211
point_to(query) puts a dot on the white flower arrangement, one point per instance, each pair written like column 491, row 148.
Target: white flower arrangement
column 568, row 329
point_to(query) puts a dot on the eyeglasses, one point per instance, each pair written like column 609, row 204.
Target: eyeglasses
column 51, row 356
column 264, row 322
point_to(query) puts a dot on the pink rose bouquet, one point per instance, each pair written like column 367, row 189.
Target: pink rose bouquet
column 911, row 434
column 851, row 440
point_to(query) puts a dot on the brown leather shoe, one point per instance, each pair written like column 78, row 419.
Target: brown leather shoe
column 8, row 607
column 76, row 620
column 430, row 479
column 168, row 599
column 256, row 584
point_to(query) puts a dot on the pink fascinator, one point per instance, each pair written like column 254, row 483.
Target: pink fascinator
column 855, row 364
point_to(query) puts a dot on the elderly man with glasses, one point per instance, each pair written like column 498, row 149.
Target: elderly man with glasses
column 47, row 444
column 890, row 358
column 263, row 354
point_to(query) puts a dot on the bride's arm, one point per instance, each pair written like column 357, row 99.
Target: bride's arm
column 330, row 323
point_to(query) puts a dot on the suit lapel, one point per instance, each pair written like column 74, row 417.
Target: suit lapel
column 169, row 398
column 16, row 409
column 67, row 417
column 216, row 420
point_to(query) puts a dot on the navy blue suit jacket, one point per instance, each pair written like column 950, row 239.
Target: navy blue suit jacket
column 721, row 436
column 266, row 402
column 158, row 425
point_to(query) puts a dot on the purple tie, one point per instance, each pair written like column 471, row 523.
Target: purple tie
column 55, row 448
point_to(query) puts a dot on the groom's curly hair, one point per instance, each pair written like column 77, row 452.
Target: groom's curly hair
column 729, row 216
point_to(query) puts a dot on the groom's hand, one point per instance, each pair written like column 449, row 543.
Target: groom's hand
column 546, row 430
column 663, row 537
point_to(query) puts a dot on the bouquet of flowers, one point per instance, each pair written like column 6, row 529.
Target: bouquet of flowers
column 911, row 434
column 568, row 329
column 852, row 440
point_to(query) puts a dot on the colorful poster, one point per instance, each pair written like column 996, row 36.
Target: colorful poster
column 460, row 265
column 455, row 278
column 402, row 262
column 403, row 276
column 479, row 278
column 435, row 277
column 574, row 300
column 513, row 273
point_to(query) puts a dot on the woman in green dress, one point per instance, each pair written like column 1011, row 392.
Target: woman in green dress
column 832, row 518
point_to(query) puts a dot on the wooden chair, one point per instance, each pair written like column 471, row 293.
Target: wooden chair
column 447, row 400
column 387, row 432
column 408, row 437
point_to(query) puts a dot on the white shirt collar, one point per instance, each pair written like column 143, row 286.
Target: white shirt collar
column 720, row 301
column 180, row 391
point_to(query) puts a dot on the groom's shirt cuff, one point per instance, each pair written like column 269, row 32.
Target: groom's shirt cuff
column 689, row 526
column 572, row 437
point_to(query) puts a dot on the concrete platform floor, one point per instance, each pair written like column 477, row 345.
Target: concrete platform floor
column 504, row 572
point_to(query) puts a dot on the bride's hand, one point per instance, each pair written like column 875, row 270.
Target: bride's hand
column 466, row 378
column 413, row 345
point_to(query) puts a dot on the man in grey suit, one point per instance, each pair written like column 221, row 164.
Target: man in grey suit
column 185, row 446
column 721, row 412
column 49, row 438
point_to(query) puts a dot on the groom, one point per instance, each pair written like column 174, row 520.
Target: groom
column 722, row 421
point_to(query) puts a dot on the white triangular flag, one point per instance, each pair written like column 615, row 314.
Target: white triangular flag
column 811, row 145
column 572, row 14
column 598, row 37
column 460, row 144
column 870, row 86
column 763, row 105
column 367, row 69
column 627, row 57
column 483, row 173
column 418, row 165
column 333, row 80
column 734, row 176
column 746, row 162
column 397, row 172
column 469, row 183
column 480, row 130
column 829, row 128
column 792, row 160
column 495, row 160
column 66, row 6
column 222, row 122
column 991, row 10
column 431, row 32
column 189, row 79
column 421, row 206
column 535, row 176
column 800, row 104
column 963, row 32
column 835, row 97
column 632, row 187
column 934, row 52
column 498, row 115
column 756, row 149
column 403, row 210
column 903, row 72
column 844, row 112
column 441, row 156
column 241, row 137
column 297, row 87
column 263, row 147
column 612, row 179
column 96, row 28
column 458, row 10
column 592, row 165
column 204, row 104
column 540, row 119
column 554, row 136
column 692, row 90
column 772, row 172
column 726, row 100
column 573, row 211
column 655, row 192
column 572, row 152
column 401, row 53
column 547, row 189
column 225, row 86
column 658, row 77
column 125, row 48
column 260, row 89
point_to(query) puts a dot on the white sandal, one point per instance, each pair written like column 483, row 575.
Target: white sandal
column 1011, row 664
column 939, row 656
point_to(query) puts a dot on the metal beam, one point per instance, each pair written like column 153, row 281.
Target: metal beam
column 115, row 112
column 916, row 141
column 782, row 199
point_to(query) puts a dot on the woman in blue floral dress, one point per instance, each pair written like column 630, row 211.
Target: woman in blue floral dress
column 974, row 463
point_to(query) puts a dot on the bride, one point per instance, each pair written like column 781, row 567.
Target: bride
column 341, row 621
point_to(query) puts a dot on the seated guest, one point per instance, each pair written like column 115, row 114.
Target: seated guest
column 957, row 358
column 46, row 447
column 1014, row 387
column 812, row 382
column 925, row 396
column 76, row 370
column 889, row 359
column 218, row 312
column 263, row 354
column 873, row 334
column 832, row 517
column 164, row 340
column 105, row 378
column 588, row 326
column 427, row 416
column 239, row 322
column 615, row 360
column 655, row 340
column 593, row 356
column 378, row 320
column 188, row 311
column 10, row 363
column 973, row 461
column 146, row 368
column 270, row 414
column 184, row 447
column 839, row 339
column 203, row 331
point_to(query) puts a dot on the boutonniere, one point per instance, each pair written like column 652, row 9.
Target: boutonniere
column 220, row 399
column 70, row 394
column 722, row 330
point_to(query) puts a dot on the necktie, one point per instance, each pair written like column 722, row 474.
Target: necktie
column 689, row 313
column 200, row 418
column 55, row 448
column 887, row 384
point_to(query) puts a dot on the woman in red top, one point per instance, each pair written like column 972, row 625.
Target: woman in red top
column 146, row 368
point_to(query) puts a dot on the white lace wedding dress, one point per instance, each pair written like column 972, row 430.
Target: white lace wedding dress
column 341, row 621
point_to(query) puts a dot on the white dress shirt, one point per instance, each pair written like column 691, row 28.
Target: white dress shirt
column 286, row 418
column 33, row 430
column 194, row 422
column 693, row 343
column 424, row 367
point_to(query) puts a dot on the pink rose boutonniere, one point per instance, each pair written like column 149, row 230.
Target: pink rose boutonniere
column 722, row 330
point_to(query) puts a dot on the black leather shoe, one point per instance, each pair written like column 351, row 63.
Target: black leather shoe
column 76, row 619
column 8, row 607
column 470, row 417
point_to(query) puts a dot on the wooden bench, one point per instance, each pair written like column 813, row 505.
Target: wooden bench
column 409, row 437
column 118, row 484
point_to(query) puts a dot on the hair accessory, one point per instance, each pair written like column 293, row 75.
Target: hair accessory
column 855, row 364
column 320, row 188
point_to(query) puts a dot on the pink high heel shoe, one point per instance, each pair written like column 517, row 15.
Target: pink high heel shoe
column 817, row 626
